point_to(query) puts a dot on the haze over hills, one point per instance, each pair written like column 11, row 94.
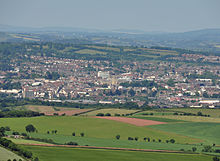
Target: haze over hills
column 205, row 39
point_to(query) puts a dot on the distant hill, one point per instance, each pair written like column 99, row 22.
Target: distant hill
column 202, row 40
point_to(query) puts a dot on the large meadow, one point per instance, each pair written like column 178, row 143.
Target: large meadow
column 85, row 129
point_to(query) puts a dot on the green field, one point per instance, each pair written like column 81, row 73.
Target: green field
column 78, row 154
column 212, row 112
column 209, row 132
column 23, row 141
column 191, row 118
column 6, row 154
column 92, row 127
column 157, row 119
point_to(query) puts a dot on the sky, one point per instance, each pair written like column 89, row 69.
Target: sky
column 146, row 15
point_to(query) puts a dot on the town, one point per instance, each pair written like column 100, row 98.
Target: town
column 160, row 84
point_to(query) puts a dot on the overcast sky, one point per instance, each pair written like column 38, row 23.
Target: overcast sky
column 147, row 15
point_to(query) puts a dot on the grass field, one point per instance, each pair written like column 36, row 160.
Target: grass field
column 209, row 132
column 158, row 119
column 92, row 127
column 78, row 154
column 103, row 142
column 191, row 118
column 6, row 154
column 23, row 141
column 42, row 109
column 89, row 51
column 111, row 111
column 212, row 112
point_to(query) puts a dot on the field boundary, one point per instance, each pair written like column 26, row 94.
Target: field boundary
column 109, row 148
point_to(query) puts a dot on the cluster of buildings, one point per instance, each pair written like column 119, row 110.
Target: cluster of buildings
column 97, row 81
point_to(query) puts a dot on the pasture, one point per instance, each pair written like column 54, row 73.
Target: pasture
column 91, row 127
column 208, row 132
column 6, row 154
column 81, row 154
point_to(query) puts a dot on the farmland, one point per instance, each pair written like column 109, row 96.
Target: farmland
column 50, row 110
column 209, row 132
column 111, row 111
column 47, row 154
column 92, row 127
column 6, row 154
column 101, row 132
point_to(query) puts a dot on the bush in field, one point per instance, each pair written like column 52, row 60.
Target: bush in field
column 136, row 138
column 118, row 137
column 215, row 158
column 15, row 133
column 73, row 134
column 207, row 148
column 117, row 114
column 194, row 149
column 36, row 159
column 107, row 114
column 172, row 141
column 30, row 128
column 130, row 138
column 82, row 134
column 100, row 114
column 71, row 143
column 159, row 140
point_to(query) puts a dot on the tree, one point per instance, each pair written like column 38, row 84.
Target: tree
column 82, row 134
column 117, row 137
column 100, row 114
column 73, row 134
column 172, row 141
column 207, row 148
column 132, row 92
column 107, row 114
column 30, row 128
column 194, row 149
column 36, row 159
column 215, row 158
column 136, row 138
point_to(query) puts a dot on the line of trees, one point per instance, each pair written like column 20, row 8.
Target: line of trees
column 16, row 113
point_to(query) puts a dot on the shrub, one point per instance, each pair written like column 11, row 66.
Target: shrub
column 117, row 137
column 130, row 138
column 172, row 141
column 194, row 149
column 72, row 143
column 15, row 133
column 215, row 158
column 107, row 114
column 100, row 114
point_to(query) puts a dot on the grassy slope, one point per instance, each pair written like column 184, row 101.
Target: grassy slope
column 6, row 154
column 92, row 127
column 66, row 154
column 101, row 142
column 209, row 132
